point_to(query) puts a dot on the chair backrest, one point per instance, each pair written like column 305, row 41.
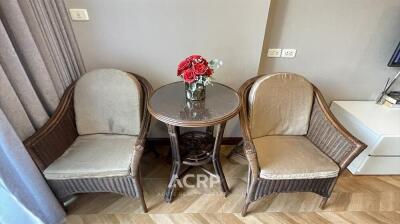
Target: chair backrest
column 280, row 104
column 108, row 101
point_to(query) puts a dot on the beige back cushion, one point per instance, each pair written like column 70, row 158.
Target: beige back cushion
column 108, row 101
column 280, row 104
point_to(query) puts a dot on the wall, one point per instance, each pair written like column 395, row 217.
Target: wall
column 150, row 38
column 343, row 46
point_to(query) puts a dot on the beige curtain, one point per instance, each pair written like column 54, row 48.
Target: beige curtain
column 39, row 58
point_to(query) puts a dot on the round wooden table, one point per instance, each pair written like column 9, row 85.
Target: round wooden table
column 195, row 148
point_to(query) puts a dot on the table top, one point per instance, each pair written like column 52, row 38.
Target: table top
column 169, row 105
column 379, row 118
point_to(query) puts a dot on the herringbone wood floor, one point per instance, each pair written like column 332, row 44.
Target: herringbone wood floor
column 356, row 199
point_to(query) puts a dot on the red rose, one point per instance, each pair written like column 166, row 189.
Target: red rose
column 204, row 62
column 195, row 57
column 189, row 76
column 209, row 71
column 200, row 68
column 183, row 65
column 193, row 66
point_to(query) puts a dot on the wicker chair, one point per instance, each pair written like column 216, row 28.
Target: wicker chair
column 292, row 141
column 95, row 138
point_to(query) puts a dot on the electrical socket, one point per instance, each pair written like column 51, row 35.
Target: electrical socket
column 79, row 14
column 274, row 52
column 288, row 53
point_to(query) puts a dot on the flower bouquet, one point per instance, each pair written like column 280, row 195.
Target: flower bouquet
column 196, row 72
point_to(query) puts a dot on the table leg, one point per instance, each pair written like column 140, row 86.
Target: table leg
column 177, row 133
column 173, row 132
column 216, row 160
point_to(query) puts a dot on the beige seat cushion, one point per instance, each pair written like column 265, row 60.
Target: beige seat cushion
column 108, row 101
column 292, row 157
column 91, row 156
column 280, row 104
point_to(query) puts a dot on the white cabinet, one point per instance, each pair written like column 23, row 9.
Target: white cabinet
column 378, row 127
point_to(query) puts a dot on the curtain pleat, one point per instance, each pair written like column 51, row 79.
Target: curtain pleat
column 51, row 15
column 13, row 108
column 70, row 39
column 28, row 54
column 39, row 59
column 19, row 80
column 42, row 44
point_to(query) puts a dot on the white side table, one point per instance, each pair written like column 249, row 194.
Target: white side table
column 377, row 126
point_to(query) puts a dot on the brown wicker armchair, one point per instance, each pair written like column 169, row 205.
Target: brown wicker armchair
column 95, row 139
column 292, row 141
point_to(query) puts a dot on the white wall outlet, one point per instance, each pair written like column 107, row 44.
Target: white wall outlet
column 288, row 53
column 274, row 52
column 79, row 14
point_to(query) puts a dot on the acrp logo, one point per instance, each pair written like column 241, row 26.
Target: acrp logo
column 201, row 180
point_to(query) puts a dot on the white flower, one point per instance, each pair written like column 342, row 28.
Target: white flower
column 215, row 63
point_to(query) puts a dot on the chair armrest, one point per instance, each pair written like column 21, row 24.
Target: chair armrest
column 326, row 132
column 137, row 155
column 56, row 135
column 146, row 118
column 144, row 127
column 248, row 145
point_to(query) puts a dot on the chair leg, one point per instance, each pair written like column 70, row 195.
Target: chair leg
column 140, row 190
column 249, row 190
column 323, row 202
column 68, row 200
column 244, row 209
column 143, row 203
column 141, row 197
column 325, row 198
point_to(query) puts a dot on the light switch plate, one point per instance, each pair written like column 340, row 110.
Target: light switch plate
column 288, row 53
column 79, row 14
column 274, row 52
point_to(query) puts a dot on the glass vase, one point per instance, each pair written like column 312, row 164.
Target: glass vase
column 195, row 91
